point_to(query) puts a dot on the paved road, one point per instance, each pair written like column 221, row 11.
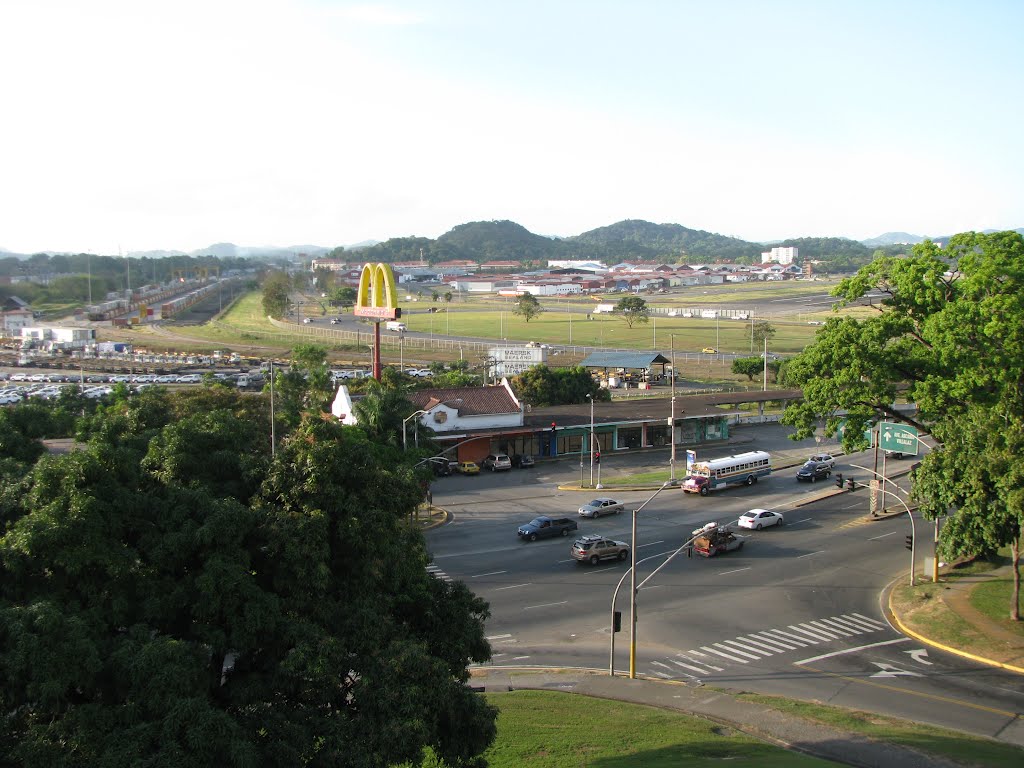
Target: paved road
column 795, row 613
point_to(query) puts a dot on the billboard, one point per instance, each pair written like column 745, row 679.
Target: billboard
column 377, row 297
column 511, row 361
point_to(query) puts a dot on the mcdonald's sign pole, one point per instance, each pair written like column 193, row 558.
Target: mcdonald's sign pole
column 376, row 298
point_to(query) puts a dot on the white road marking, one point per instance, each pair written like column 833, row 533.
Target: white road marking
column 799, row 640
column 706, row 664
column 817, row 634
column 545, row 605
column 918, row 655
column 873, row 622
column 891, row 670
column 810, row 554
column 777, row 645
column 733, row 650
column 835, row 627
column 513, row 586
column 852, row 650
column 876, row 538
column 723, row 655
column 492, row 573
column 497, row 637
column 746, row 648
column 726, row 573
column 698, row 670
column 650, row 544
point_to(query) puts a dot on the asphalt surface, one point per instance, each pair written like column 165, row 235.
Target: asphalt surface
column 798, row 612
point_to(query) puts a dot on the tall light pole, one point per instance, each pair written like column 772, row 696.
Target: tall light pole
column 591, row 399
column 913, row 531
column 672, row 419
column 632, row 601
column 406, row 421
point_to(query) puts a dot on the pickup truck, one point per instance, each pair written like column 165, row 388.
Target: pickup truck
column 711, row 540
column 543, row 527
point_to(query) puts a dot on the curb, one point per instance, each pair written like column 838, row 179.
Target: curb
column 936, row 644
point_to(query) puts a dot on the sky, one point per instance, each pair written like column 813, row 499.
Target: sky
column 142, row 124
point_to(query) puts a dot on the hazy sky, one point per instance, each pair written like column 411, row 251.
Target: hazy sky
column 147, row 124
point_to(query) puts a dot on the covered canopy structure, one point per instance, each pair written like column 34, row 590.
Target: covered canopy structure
column 641, row 366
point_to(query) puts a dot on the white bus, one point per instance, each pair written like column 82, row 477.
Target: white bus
column 707, row 476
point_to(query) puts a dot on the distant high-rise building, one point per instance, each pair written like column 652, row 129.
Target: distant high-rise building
column 785, row 255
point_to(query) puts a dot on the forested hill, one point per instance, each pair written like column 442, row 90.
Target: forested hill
column 637, row 239
column 631, row 240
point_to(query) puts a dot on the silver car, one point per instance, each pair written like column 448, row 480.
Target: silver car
column 602, row 506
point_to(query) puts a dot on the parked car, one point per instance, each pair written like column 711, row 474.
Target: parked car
column 756, row 519
column 497, row 462
column 440, row 466
column 523, row 461
column 594, row 549
column 468, row 468
column 602, row 506
column 813, row 471
column 824, row 458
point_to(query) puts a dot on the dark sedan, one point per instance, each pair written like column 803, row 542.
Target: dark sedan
column 813, row 471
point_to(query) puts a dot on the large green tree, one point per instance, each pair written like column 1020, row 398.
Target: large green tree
column 948, row 336
column 633, row 310
column 276, row 289
column 527, row 307
column 170, row 594
column 541, row 386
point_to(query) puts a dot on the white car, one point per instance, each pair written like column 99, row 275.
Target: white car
column 602, row 506
column 756, row 519
column 190, row 378
column 824, row 458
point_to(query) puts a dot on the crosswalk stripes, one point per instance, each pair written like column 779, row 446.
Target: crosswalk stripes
column 755, row 646
column 437, row 573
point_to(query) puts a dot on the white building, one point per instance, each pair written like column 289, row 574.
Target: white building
column 786, row 255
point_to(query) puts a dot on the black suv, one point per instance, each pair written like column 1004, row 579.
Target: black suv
column 813, row 470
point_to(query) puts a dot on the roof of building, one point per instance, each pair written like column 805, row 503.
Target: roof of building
column 623, row 359
column 468, row 401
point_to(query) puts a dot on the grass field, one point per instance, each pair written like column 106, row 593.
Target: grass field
column 553, row 729
column 561, row 730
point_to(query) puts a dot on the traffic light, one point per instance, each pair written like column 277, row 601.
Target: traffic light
column 617, row 622
column 597, row 457
column 849, row 483
column 398, row 313
column 909, row 542
column 839, row 479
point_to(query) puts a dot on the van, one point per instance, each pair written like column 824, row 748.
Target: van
column 394, row 325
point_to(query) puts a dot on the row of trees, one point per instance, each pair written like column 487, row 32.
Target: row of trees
column 180, row 590
column 948, row 336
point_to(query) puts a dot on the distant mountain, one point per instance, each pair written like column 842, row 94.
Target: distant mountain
column 893, row 238
column 500, row 241
column 637, row 239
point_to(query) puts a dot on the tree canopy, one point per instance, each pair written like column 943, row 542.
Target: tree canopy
column 947, row 336
column 527, row 307
column 633, row 310
column 173, row 594
column 542, row 386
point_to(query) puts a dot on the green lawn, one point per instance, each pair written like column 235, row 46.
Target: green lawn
column 562, row 730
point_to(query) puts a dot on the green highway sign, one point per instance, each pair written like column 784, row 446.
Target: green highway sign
column 898, row 437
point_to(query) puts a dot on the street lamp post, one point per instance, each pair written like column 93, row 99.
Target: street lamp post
column 913, row 531
column 632, row 600
column 406, row 421
column 591, row 399
column 672, row 419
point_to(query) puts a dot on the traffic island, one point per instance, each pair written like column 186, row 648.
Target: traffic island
column 944, row 614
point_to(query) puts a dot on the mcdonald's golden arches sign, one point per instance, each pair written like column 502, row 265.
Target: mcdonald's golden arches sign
column 377, row 296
